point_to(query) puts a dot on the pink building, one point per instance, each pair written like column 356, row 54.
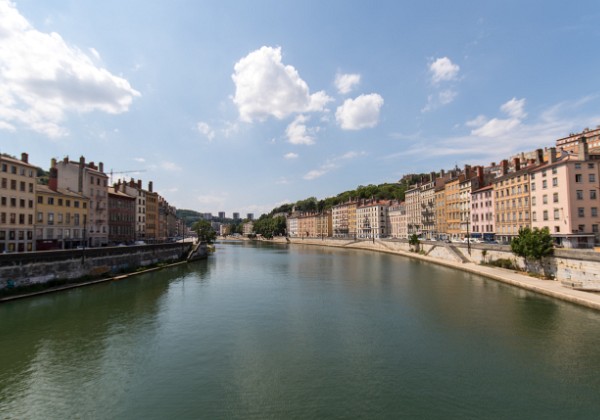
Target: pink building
column 564, row 197
column 482, row 213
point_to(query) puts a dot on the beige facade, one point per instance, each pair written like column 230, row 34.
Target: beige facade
column 372, row 220
column 307, row 225
column 512, row 203
column 152, row 228
column 398, row 221
column 483, row 220
column 90, row 181
column 565, row 198
column 60, row 217
column 344, row 219
column 412, row 200
column 135, row 189
column 427, row 204
column 292, row 226
column 17, row 197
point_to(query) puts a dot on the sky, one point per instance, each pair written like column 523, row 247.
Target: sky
column 241, row 106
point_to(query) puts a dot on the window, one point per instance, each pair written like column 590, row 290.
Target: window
column 68, row 203
column 544, row 184
column 590, row 166
column 50, row 218
column 581, row 228
column 595, row 228
column 556, row 214
column 555, row 182
column 13, row 184
column 580, row 212
column 60, row 201
column 4, row 182
column 545, row 199
column 579, row 194
column 554, row 171
column 592, row 177
column 578, row 178
column 40, row 217
column 22, row 203
column 532, row 176
column 51, row 200
column 3, row 201
column 534, row 216
column 543, row 174
column 533, row 186
column 555, row 198
column 76, row 204
column 22, row 186
column 40, row 199
column 594, row 211
column 545, row 215
column 578, row 166
column 593, row 194
column 533, row 201
column 13, row 202
column 21, row 219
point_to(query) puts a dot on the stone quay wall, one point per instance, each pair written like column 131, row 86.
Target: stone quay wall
column 578, row 269
column 17, row 270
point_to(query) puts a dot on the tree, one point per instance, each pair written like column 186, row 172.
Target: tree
column 532, row 245
column 205, row 231
column 414, row 241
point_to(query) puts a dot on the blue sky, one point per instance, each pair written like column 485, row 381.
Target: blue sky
column 244, row 105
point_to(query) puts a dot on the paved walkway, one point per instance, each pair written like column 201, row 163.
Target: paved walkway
column 550, row 288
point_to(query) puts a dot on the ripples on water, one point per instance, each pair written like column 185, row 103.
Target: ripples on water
column 262, row 331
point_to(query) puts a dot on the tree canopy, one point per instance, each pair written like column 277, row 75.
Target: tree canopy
column 269, row 226
column 205, row 231
column 532, row 244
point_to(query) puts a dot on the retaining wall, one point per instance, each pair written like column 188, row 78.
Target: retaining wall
column 24, row 269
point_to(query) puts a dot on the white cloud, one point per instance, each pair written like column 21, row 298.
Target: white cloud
column 290, row 155
column 43, row 78
column 282, row 181
column 346, row 82
column 170, row 166
column 139, row 159
column 265, row 87
column 298, row 133
column 443, row 70
column 444, row 97
column 332, row 164
column 497, row 127
column 359, row 113
column 206, row 130
column 6, row 126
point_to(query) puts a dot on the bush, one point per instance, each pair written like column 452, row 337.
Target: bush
column 503, row 263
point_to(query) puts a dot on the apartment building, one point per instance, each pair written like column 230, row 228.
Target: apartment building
column 565, row 197
column 121, row 220
column 344, row 219
column 571, row 143
column 17, row 195
column 398, row 222
column 483, row 220
column 307, row 225
column 291, row 226
column 152, row 231
column 427, row 204
column 61, row 216
column 372, row 219
column 91, row 181
column 135, row 189
column 412, row 200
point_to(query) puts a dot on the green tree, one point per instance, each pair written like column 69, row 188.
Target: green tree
column 413, row 241
column 205, row 231
column 532, row 245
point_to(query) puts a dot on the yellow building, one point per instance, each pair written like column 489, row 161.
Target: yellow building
column 61, row 218
column 17, row 196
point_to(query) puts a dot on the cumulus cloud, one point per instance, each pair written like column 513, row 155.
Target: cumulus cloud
column 346, row 82
column 359, row 113
column 265, row 87
column 443, row 70
column 298, row 133
column 290, row 155
column 43, row 78
column 496, row 127
column 206, row 130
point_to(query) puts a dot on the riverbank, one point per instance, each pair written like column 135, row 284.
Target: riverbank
column 551, row 288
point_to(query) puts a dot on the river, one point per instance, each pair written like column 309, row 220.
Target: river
column 274, row 331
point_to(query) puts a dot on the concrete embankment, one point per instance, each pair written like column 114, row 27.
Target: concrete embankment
column 459, row 258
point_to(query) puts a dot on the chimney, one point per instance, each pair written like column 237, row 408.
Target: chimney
column 150, row 186
column 92, row 166
column 101, row 167
column 539, row 156
column 24, row 157
column 139, row 184
column 66, row 160
column 116, row 187
column 442, row 173
column 517, row 164
column 80, row 179
column 504, row 166
column 467, row 171
column 583, row 150
column 53, row 179
column 552, row 155
column 432, row 176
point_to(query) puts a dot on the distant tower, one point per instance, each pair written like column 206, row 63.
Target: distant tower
column 221, row 215
column 236, row 216
column 250, row 216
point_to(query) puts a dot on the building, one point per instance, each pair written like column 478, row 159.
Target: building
column 236, row 216
column 398, row 222
column 372, row 219
column 512, row 200
column 412, row 201
column 291, row 226
column 483, row 219
column 248, row 228
column 17, row 209
column 344, row 219
column 121, row 216
column 60, row 216
column 91, row 181
column 152, row 229
column 564, row 197
column 224, row 229
column 221, row 215
column 250, row 216
column 135, row 189
column 427, row 204
column 307, row 225
column 570, row 144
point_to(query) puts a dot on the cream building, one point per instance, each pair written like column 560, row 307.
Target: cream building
column 17, row 197
column 344, row 219
column 372, row 220
column 398, row 222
